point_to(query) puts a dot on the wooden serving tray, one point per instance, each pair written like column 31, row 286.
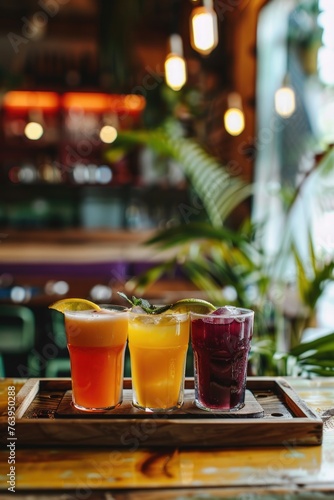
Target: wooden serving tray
column 273, row 415
column 251, row 409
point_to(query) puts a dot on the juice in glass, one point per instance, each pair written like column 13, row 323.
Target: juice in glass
column 96, row 342
column 158, row 347
column 221, row 342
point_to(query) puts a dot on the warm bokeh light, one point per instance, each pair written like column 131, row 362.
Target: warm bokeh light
column 17, row 102
column 285, row 102
column 204, row 30
column 108, row 134
column 21, row 99
column 85, row 100
column 99, row 102
column 234, row 121
column 33, row 131
column 134, row 102
column 175, row 71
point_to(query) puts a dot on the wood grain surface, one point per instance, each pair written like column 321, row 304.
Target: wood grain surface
column 45, row 417
column 288, row 471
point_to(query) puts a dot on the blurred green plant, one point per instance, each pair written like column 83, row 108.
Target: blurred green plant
column 219, row 191
column 314, row 358
column 216, row 258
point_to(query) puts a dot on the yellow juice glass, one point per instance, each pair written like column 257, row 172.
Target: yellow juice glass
column 158, row 347
column 96, row 342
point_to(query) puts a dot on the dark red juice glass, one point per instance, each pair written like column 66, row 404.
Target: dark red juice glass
column 221, row 342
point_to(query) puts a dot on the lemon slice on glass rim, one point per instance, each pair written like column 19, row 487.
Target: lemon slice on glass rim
column 74, row 304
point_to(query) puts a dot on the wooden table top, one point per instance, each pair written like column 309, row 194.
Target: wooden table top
column 83, row 258
column 289, row 472
column 77, row 246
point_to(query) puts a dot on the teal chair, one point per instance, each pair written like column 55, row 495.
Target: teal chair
column 2, row 368
column 17, row 340
column 58, row 368
column 58, row 329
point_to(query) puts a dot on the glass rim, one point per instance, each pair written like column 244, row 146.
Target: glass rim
column 160, row 315
column 114, row 307
column 244, row 313
column 102, row 312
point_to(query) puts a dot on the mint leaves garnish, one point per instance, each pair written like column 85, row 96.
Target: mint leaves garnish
column 144, row 304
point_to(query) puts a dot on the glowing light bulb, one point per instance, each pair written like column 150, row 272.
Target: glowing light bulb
column 175, row 71
column 108, row 134
column 285, row 101
column 234, row 121
column 234, row 118
column 175, row 66
column 33, row 131
column 204, row 29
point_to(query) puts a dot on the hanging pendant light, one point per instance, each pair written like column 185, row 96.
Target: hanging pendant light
column 285, row 99
column 204, row 28
column 175, row 66
column 234, row 118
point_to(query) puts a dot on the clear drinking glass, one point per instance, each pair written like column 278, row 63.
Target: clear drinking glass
column 158, row 347
column 96, row 341
column 221, row 342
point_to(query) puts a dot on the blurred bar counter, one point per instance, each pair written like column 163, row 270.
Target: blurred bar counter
column 40, row 266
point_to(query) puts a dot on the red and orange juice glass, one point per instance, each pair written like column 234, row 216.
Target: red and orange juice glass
column 96, row 342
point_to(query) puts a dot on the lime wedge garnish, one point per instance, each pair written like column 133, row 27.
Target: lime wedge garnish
column 74, row 305
column 182, row 305
column 192, row 305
